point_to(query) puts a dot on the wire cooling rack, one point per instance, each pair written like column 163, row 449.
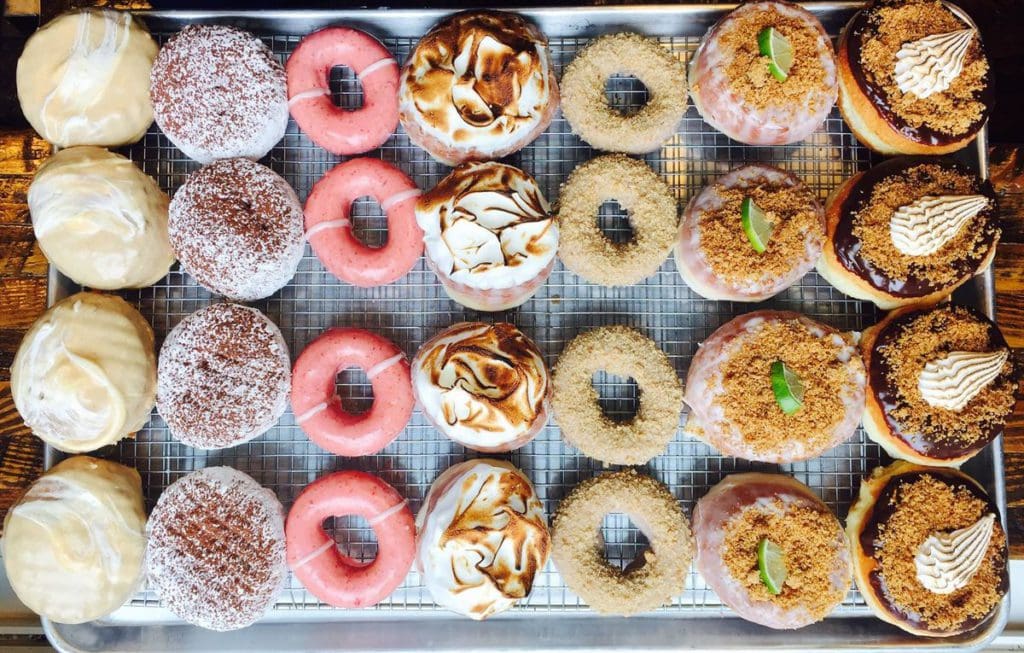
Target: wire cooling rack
column 414, row 308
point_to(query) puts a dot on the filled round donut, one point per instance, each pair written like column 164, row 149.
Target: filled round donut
column 318, row 408
column 744, row 517
column 621, row 351
column 309, row 94
column 313, row 555
column 657, row 574
column 586, row 107
column 329, row 227
column 653, row 216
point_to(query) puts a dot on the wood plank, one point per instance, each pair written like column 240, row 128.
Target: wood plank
column 20, row 255
column 21, row 452
column 22, row 299
column 22, row 152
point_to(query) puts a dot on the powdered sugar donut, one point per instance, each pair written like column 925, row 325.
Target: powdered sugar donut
column 216, row 553
column 219, row 92
column 236, row 226
column 223, row 377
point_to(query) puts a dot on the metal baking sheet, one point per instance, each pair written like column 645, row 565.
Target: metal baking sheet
column 414, row 308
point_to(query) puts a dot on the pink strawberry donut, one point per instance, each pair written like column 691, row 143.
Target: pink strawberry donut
column 309, row 95
column 329, row 574
column 329, row 230
column 316, row 403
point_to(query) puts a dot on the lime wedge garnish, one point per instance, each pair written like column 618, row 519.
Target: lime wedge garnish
column 779, row 51
column 771, row 563
column 756, row 225
column 787, row 387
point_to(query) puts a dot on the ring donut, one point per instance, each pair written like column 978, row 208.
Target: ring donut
column 653, row 215
column 309, row 95
column 329, row 229
column 318, row 408
column 586, row 107
column 654, row 576
column 621, row 351
column 332, row 576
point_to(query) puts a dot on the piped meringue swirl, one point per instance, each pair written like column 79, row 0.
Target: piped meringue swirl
column 952, row 381
column 926, row 225
column 929, row 65
column 946, row 562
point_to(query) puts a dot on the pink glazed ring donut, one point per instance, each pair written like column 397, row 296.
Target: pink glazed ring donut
column 329, row 230
column 332, row 576
column 318, row 408
column 309, row 96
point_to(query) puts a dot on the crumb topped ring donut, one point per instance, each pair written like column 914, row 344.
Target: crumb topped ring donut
column 622, row 351
column 585, row 104
column 654, row 576
column 653, row 215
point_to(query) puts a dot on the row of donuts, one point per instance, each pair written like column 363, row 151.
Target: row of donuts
column 925, row 545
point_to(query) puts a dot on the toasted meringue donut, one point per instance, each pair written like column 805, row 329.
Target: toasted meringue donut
column 483, row 538
column 479, row 85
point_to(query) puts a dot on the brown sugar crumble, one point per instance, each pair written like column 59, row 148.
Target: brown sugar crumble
column 953, row 111
column 920, row 508
column 809, row 540
column 871, row 225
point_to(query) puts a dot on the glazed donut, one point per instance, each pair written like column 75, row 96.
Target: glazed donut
column 578, row 548
column 653, row 215
column 585, row 104
column 621, row 351
column 313, row 556
column 318, row 408
column 329, row 230
column 309, row 95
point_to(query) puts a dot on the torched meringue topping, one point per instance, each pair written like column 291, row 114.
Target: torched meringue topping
column 946, row 562
column 926, row 225
column 929, row 65
column 952, row 381
column 487, row 226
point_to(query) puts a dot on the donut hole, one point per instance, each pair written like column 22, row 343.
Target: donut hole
column 625, row 94
column 624, row 542
column 353, row 535
column 354, row 390
column 346, row 89
column 614, row 221
column 369, row 222
column 618, row 396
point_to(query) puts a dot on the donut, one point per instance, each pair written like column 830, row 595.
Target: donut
column 223, row 377
column 480, row 85
column 236, row 227
column 317, row 406
column 75, row 542
column 313, row 555
column 577, row 547
column 621, row 351
column 216, row 552
column 653, row 216
column 219, row 93
column 84, row 375
column 484, row 386
column 309, row 95
column 604, row 127
column 329, row 229
column 489, row 234
column 83, row 79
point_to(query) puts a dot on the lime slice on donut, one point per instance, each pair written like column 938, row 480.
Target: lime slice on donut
column 771, row 563
column 787, row 387
column 755, row 225
column 779, row 51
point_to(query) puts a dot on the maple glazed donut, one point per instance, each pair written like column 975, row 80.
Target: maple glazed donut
column 313, row 556
column 318, row 408
column 329, row 229
column 309, row 95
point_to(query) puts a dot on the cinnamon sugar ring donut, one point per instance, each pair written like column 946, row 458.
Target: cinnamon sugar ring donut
column 651, row 579
column 586, row 107
column 621, row 351
column 653, row 216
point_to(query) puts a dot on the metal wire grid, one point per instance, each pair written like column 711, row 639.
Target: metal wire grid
column 414, row 308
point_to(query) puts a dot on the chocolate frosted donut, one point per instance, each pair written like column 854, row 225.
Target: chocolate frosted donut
column 223, row 378
column 237, row 227
column 216, row 552
column 219, row 92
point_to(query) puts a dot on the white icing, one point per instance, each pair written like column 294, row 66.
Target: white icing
column 946, row 562
column 952, row 381
column 929, row 65
column 925, row 225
